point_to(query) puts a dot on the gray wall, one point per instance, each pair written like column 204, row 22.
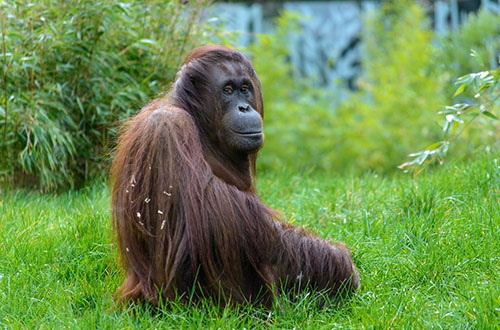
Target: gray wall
column 330, row 47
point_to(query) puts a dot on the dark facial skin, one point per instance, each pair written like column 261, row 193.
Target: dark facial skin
column 241, row 123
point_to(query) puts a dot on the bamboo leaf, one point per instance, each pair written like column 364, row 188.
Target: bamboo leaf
column 459, row 90
column 489, row 114
column 455, row 125
column 434, row 146
column 446, row 127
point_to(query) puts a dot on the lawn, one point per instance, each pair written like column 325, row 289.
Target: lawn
column 428, row 250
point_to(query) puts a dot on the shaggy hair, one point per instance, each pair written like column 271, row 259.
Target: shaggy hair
column 188, row 221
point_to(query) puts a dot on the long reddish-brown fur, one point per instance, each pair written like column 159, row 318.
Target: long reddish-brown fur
column 187, row 218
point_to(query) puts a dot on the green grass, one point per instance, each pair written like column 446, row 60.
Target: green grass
column 428, row 251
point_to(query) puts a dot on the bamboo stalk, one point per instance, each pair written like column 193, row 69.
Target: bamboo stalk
column 5, row 86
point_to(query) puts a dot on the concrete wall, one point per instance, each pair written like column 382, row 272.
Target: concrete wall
column 330, row 47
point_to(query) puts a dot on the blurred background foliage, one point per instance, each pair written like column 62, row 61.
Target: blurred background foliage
column 72, row 71
column 409, row 75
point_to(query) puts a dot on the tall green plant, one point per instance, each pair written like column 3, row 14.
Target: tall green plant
column 400, row 89
column 481, row 110
column 298, row 115
column 71, row 70
column 480, row 32
column 377, row 125
column 471, row 123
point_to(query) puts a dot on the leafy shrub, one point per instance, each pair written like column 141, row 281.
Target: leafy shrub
column 379, row 124
column 470, row 125
column 399, row 94
column 298, row 117
column 71, row 70
column 480, row 111
column 479, row 35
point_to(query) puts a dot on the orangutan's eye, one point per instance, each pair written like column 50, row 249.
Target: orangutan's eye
column 228, row 90
column 244, row 89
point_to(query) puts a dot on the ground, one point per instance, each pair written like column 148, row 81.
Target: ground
column 428, row 250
